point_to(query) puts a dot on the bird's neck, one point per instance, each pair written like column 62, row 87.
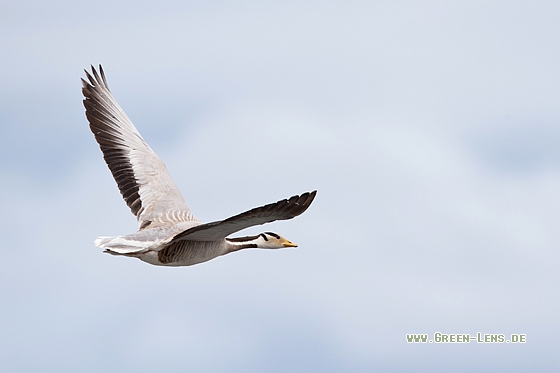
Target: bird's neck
column 236, row 244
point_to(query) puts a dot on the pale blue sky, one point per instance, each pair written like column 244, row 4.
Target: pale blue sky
column 429, row 129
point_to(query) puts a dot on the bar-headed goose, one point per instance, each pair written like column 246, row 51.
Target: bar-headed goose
column 169, row 234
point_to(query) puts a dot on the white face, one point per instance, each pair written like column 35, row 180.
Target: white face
column 269, row 240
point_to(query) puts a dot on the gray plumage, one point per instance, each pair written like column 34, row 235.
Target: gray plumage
column 169, row 233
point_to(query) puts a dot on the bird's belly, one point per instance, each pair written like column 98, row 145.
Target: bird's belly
column 184, row 253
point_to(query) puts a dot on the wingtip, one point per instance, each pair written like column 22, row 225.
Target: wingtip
column 309, row 199
column 96, row 79
column 310, row 196
column 103, row 77
column 298, row 204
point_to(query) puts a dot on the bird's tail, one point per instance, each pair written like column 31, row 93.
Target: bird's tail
column 119, row 245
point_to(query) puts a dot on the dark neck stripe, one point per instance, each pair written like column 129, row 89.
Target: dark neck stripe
column 242, row 239
column 247, row 246
column 237, row 247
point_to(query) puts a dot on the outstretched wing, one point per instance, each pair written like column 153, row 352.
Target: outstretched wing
column 141, row 176
column 281, row 210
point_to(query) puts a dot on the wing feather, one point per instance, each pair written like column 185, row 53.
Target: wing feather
column 281, row 210
column 141, row 176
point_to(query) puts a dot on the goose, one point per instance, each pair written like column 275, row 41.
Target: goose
column 168, row 233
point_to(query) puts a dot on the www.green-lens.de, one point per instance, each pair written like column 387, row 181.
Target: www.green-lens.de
column 466, row 338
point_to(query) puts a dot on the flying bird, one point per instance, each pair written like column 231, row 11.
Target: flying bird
column 169, row 234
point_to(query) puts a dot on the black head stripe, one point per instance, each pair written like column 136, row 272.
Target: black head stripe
column 263, row 236
column 273, row 235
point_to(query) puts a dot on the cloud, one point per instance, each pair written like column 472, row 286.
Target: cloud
column 530, row 147
column 388, row 110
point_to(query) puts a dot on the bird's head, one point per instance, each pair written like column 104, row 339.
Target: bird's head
column 270, row 240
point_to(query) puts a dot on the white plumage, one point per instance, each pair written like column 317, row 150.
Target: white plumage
column 169, row 234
